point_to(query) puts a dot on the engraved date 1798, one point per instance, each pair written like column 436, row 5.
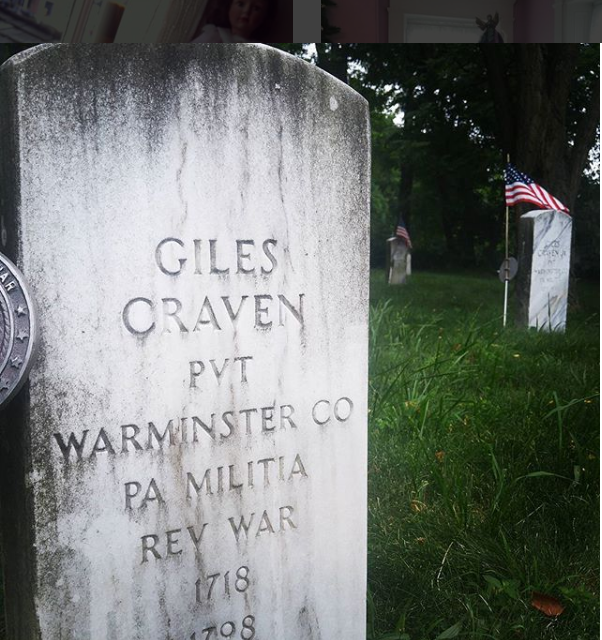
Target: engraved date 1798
column 228, row 630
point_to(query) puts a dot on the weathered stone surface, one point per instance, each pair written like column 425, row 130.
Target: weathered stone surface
column 399, row 261
column 544, row 264
column 190, row 451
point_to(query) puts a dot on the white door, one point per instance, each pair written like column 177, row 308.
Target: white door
column 596, row 29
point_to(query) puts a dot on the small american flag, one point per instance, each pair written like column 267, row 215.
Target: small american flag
column 402, row 232
column 521, row 188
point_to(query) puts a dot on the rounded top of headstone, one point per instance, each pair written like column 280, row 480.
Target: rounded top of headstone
column 244, row 56
column 540, row 212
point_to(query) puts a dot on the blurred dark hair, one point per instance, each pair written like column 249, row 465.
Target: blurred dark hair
column 218, row 16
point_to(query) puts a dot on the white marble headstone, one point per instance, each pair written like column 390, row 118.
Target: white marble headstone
column 399, row 260
column 188, row 461
column 544, row 265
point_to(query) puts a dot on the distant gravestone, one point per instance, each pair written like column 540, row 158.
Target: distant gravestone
column 399, row 260
column 188, row 461
column 544, row 264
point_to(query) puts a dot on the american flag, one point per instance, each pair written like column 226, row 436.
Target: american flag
column 402, row 232
column 521, row 188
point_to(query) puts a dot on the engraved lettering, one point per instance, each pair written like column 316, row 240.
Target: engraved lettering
column 197, row 539
column 231, row 313
column 226, row 418
column 192, row 484
column 289, row 412
column 130, row 438
column 129, row 312
column 267, row 416
column 152, row 493
column 261, row 311
column 186, row 430
column 172, row 542
column 206, row 428
column 240, row 256
column 172, row 313
column 176, row 316
column 153, row 433
column 216, row 370
column 321, row 412
column 151, row 544
column 271, row 470
column 129, row 494
column 231, row 479
column 269, row 255
column 102, row 444
column 266, row 462
column 197, row 257
column 247, row 414
column 243, row 366
column 209, row 318
column 285, row 517
column 241, row 584
column 72, row 443
column 298, row 468
column 227, row 629
column 132, row 489
column 196, row 369
column 264, row 525
column 243, row 528
column 286, row 304
column 159, row 257
column 148, row 544
column 213, row 258
column 342, row 409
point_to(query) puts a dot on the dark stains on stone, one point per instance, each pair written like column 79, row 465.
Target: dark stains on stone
column 308, row 623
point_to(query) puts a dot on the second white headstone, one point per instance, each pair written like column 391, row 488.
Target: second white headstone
column 544, row 267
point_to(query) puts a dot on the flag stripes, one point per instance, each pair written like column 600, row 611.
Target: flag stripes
column 402, row 232
column 521, row 188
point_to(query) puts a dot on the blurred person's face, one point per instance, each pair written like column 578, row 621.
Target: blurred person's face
column 246, row 16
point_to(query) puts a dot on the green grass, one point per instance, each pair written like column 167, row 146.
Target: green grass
column 483, row 465
column 483, row 472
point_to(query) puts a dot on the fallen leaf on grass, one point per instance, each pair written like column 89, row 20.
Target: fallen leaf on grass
column 416, row 506
column 440, row 455
column 546, row 604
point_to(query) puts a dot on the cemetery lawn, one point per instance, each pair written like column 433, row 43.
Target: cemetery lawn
column 483, row 466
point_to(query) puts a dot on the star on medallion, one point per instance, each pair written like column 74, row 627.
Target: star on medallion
column 22, row 336
column 21, row 310
column 16, row 362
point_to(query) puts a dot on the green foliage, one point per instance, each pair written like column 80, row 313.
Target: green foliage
column 448, row 146
column 385, row 183
column 483, row 465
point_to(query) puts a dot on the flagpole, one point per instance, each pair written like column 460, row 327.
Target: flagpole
column 506, row 265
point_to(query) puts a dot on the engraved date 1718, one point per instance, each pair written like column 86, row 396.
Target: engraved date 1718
column 206, row 590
